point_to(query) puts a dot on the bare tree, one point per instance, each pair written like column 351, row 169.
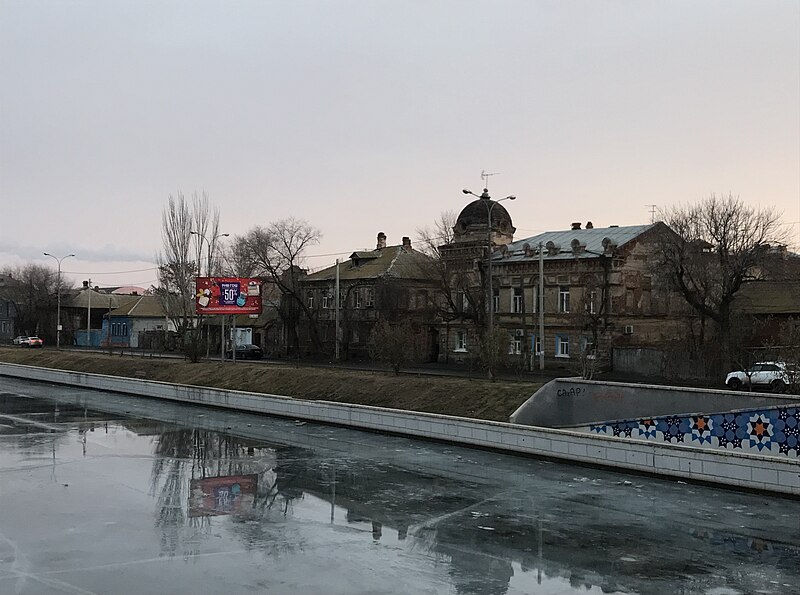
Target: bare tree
column 238, row 260
column 713, row 249
column 439, row 234
column 185, row 229
column 395, row 344
column 34, row 294
column 278, row 252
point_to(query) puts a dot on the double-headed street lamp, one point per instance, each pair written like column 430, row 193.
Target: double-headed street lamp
column 490, row 204
column 58, row 290
column 204, row 239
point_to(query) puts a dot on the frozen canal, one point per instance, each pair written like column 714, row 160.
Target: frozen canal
column 103, row 493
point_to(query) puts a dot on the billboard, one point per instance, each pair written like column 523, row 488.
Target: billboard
column 227, row 295
column 214, row 496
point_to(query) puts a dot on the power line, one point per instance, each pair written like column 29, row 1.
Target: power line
column 109, row 273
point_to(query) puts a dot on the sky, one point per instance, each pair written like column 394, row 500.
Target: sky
column 368, row 116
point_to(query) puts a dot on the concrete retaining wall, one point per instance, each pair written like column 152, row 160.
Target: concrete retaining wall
column 733, row 469
column 574, row 401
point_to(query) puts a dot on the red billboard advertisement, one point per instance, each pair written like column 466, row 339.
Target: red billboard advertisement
column 214, row 496
column 227, row 295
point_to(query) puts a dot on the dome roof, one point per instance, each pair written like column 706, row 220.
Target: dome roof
column 475, row 214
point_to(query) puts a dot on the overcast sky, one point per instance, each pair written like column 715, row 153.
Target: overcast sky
column 367, row 116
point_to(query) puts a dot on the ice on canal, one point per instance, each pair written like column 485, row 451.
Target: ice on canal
column 105, row 493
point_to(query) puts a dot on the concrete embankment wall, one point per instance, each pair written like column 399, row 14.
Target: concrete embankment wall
column 733, row 469
column 573, row 401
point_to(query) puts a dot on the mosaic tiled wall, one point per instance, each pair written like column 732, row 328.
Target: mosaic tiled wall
column 764, row 431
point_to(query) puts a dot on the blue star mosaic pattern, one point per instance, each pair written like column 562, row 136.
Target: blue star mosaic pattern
column 768, row 431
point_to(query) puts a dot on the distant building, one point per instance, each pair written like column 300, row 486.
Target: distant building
column 390, row 283
column 136, row 324
column 599, row 290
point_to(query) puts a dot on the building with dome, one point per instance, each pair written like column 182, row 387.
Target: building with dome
column 598, row 290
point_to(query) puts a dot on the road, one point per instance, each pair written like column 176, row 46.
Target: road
column 107, row 493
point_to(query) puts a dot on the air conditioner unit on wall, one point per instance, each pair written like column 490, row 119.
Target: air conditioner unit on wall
column 628, row 329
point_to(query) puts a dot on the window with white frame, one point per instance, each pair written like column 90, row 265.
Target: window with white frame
column 357, row 302
column 310, row 300
column 516, row 300
column 562, row 346
column 461, row 341
column 590, row 303
column 536, row 344
column 495, row 299
column 563, row 298
column 327, row 300
column 515, row 342
column 370, row 298
column 535, row 300
column 588, row 347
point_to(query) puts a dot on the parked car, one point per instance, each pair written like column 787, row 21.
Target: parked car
column 247, row 351
column 35, row 342
column 21, row 340
column 777, row 376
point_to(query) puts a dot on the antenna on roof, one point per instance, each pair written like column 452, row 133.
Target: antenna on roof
column 485, row 177
column 652, row 212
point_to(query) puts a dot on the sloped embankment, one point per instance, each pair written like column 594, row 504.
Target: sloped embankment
column 476, row 398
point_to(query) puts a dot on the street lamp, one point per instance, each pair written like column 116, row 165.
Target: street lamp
column 202, row 239
column 490, row 204
column 208, row 271
column 58, row 312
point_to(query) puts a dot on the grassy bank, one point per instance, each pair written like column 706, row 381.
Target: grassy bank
column 476, row 398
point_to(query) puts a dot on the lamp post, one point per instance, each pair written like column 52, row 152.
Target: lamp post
column 208, row 271
column 58, row 299
column 490, row 204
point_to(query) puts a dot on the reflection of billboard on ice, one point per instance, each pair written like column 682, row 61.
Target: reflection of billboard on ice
column 227, row 295
column 215, row 496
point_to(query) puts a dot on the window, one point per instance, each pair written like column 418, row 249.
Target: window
column 590, row 302
column 370, row 299
column 461, row 341
column 515, row 342
column 327, row 301
column 495, row 300
column 357, row 303
column 461, row 301
column 342, row 302
column 124, row 329
column 535, row 304
column 516, row 300
column 536, row 344
column 310, row 300
column 588, row 347
column 563, row 298
column 562, row 346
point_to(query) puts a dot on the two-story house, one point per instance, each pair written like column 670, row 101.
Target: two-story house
column 393, row 283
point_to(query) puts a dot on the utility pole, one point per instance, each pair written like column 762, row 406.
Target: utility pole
column 336, row 298
column 89, row 318
column 541, row 307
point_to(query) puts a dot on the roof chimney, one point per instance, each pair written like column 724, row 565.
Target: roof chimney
column 589, row 225
column 381, row 240
column 407, row 243
column 576, row 225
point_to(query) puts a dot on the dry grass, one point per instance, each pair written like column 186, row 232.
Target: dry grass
column 475, row 398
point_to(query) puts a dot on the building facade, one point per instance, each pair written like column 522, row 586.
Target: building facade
column 598, row 289
column 394, row 283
